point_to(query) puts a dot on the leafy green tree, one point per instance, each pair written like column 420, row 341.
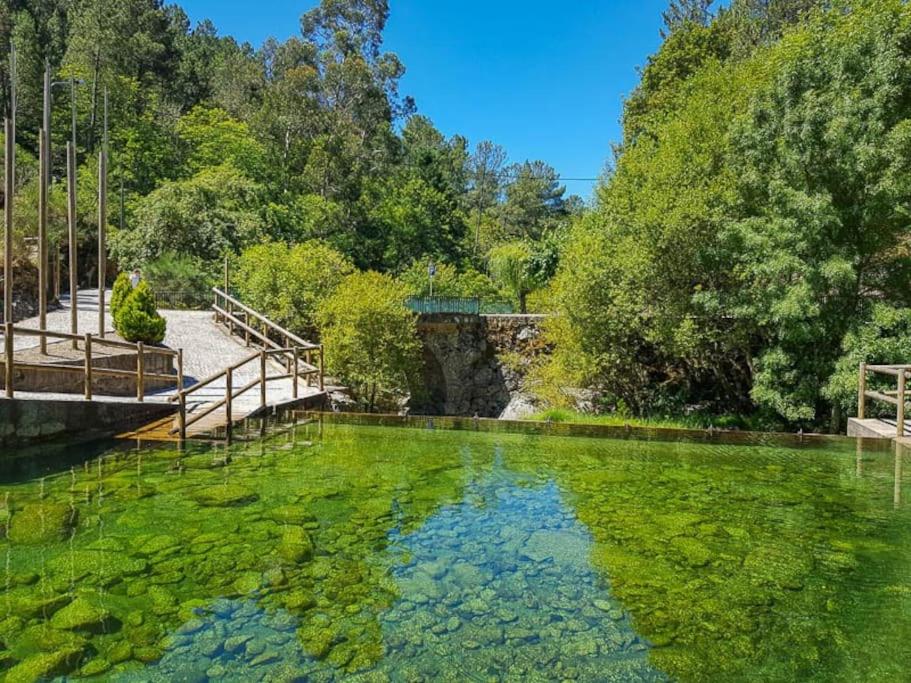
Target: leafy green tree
column 534, row 200
column 511, row 266
column 210, row 137
column 370, row 337
column 205, row 216
column 289, row 283
column 449, row 281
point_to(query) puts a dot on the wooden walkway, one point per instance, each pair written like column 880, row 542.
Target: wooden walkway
column 220, row 355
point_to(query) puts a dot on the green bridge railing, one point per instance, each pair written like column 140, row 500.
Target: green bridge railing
column 450, row 304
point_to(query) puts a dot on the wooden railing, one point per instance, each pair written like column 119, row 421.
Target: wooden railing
column 255, row 327
column 897, row 397
column 297, row 370
column 89, row 372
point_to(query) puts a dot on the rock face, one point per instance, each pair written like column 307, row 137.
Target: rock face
column 475, row 365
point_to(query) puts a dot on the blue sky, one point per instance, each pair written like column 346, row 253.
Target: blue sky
column 546, row 80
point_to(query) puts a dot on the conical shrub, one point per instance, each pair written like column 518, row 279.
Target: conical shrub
column 138, row 320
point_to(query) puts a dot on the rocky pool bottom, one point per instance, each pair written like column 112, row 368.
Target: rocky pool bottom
column 327, row 552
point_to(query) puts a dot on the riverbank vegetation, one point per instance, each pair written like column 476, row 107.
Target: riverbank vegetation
column 750, row 245
column 747, row 248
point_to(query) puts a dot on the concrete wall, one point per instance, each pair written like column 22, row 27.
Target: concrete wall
column 24, row 421
column 473, row 365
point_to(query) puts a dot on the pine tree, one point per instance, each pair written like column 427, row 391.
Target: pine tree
column 682, row 12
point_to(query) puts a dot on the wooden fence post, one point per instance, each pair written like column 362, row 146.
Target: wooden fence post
column 262, row 379
column 88, row 366
column 229, row 397
column 900, row 422
column 322, row 369
column 862, row 392
column 294, row 373
column 140, row 372
column 182, row 416
column 179, row 369
column 308, row 358
column 10, row 360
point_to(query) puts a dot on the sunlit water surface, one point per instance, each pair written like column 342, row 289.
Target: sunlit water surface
column 339, row 552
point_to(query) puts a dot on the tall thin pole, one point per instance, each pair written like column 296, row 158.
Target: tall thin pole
column 42, row 238
column 72, row 162
column 9, row 130
column 102, row 218
column 71, row 225
column 9, row 190
column 44, row 172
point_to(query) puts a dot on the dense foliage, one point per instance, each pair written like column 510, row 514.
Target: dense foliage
column 217, row 146
column 370, row 338
column 751, row 243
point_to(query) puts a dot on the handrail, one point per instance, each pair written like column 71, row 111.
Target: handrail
column 266, row 321
column 101, row 341
column 87, row 369
column 897, row 398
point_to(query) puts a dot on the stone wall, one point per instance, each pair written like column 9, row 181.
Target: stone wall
column 24, row 421
column 474, row 365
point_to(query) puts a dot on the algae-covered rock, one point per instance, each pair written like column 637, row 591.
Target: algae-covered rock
column 83, row 614
column 45, row 665
column 695, row 553
column 40, row 523
column 295, row 545
column 29, row 604
column 296, row 515
column 100, row 565
column 95, row 667
column 224, row 495
column 248, row 582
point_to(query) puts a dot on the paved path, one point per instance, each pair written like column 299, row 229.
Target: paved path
column 208, row 349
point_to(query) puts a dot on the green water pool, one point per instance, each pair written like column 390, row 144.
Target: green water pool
column 331, row 551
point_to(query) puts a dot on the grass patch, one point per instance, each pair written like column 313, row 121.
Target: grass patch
column 694, row 421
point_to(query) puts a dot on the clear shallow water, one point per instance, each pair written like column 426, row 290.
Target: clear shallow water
column 374, row 553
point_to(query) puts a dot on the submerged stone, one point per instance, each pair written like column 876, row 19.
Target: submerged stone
column 45, row 522
column 82, row 615
column 45, row 665
column 224, row 495
column 295, row 545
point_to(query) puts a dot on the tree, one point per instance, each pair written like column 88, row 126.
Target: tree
column 288, row 284
column 534, row 200
column 681, row 13
column 510, row 265
column 205, row 216
column 210, row 137
column 370, row 337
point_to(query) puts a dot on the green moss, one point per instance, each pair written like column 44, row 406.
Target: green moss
column 224, row 495
column 83, row 614
column 44, row 522
column 296, row 545
column 45, row 665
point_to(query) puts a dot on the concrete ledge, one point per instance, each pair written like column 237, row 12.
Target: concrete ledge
column 25, row 421
column 873, row 428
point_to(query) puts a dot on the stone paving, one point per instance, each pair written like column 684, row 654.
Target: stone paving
column 208, row 349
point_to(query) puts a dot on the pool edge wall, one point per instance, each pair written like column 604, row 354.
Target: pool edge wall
column 27, row 421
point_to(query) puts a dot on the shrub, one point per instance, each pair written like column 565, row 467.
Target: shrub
column 122, row 289
column 287, row 284
column 370, row 337
column 138, row 320
column 181, row 280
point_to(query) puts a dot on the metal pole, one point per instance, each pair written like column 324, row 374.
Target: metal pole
column 42, row 238
column 9, row 190
column 102, row 218
column 71, row 225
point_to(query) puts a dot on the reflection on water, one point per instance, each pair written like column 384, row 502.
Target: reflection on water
column 372, row 553
column 505, row 575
